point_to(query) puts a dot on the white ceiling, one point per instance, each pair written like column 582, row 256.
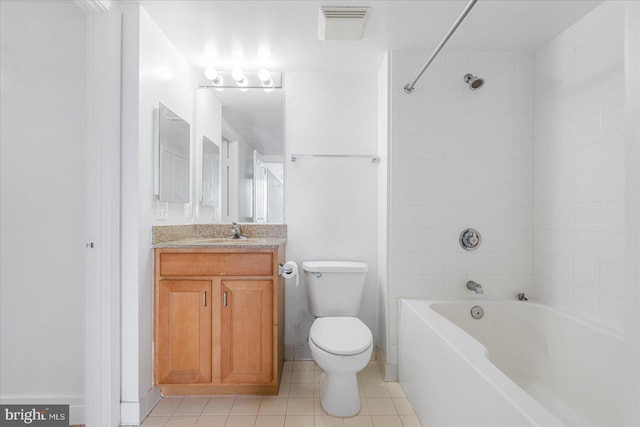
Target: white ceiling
column 283, row 35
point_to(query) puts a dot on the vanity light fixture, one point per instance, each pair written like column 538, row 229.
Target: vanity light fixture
column 238, row 79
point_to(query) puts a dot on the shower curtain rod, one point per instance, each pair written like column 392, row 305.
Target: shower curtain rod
column 408, row 88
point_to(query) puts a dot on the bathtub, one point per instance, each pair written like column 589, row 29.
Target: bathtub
column 522, row 364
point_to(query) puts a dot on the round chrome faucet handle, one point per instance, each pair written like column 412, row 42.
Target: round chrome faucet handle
column 470, row 239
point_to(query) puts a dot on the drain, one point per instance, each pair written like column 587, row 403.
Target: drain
column 477, row 312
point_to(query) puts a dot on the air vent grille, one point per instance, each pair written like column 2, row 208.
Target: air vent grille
column 342, row 23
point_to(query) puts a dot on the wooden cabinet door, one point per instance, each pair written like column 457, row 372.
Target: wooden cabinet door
column 183, row 338
column 246, row 336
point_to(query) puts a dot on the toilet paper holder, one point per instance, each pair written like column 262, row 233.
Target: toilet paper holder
column 289, row 270
column 284, row 269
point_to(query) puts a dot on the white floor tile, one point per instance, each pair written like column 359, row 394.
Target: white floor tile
column 218, row 406
column 211, row 421
column 328, row 421
column 273, row 406
column 248, row 406
column 298, row 421
column 410, row 421
column 270, row 421
column 358, row 421
column 181, row 422
column 300, row 406
column 240, row 421
column 403, row 406
column 382, row 406
column 386, row 421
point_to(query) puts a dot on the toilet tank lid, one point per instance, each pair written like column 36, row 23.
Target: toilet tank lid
column 335, row 267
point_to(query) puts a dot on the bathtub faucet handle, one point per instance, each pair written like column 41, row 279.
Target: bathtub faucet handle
column 522, row 297
column 475, row 287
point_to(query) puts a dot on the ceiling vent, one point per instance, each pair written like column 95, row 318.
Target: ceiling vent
column 342, row 22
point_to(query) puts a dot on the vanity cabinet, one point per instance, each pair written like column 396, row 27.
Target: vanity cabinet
column 219, row 320
column 246, row 332
column 184, row 332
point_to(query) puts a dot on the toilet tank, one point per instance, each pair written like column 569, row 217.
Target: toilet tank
column 335, row 288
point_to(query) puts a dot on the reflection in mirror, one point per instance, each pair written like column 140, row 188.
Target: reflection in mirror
column 210, row 173
column 268, row 172
column 174, row 156
column 248, row 128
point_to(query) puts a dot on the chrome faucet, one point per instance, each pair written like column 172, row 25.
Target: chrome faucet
column 474, row 286
column 235, row 231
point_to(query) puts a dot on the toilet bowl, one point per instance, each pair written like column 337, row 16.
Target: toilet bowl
column 342, row 347
column 340, row 343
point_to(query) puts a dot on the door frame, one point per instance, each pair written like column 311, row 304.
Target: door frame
column 103, row 143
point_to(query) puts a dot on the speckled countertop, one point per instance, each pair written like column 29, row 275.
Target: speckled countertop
column 222, row 243
column 217, row 236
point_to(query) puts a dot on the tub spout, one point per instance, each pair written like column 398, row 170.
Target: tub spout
column 474, row 286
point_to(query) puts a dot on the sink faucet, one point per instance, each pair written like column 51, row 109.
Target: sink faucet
column 235, row 231
column 474, row 286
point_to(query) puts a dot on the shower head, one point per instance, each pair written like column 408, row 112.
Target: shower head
column 474, row 82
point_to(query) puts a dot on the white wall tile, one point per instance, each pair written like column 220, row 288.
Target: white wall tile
column 476, row 170
column 579, row 167
column 612, row 122
column 587, row 245
column 612, row 248
column 587, row 273
column 612, row 216
column 586, row 303
column 612, row 311
column 612, row 279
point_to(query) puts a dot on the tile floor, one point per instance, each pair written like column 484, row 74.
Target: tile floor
column 384, row 404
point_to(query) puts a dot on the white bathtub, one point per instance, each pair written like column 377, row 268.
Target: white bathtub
column 522, row 364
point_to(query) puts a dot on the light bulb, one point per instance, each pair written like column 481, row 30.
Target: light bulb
column 264, row 75
column 211, row 73
column 237, row 75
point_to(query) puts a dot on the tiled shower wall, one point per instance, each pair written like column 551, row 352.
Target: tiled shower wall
column 459, row 158
column 579, row 176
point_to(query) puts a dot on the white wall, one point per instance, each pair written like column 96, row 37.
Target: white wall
column 459, row 159
column 161, row 74
column 579, row 174
column 632, row 253
column 330, row 204
column 42, row 206
column 383, row 211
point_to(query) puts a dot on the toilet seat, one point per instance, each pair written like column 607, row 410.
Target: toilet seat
column 343, row 336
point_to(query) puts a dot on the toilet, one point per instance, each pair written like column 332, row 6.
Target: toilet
column 340, row 343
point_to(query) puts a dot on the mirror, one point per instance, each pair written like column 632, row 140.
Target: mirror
column 240, row 155
column 210, row 173
column 173, row 156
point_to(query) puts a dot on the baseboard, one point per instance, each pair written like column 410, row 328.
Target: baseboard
column 134, row 413
column 151, row 399
column 76, row 404
column 389, row 370
column 130, row 414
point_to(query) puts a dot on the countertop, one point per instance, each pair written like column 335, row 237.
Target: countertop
column 223, row 243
